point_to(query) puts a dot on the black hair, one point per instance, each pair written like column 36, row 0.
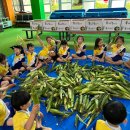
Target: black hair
column 19, row 99
column 96, row 42
column 48, row 37
column 64, row 42
column 29, row 45
column 2, row 57
column 18, row 47
column 120, row 37
column 114, row 112
column 81, row 37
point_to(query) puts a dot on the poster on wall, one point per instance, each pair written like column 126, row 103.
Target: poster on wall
column 36, row 24
column 49, row 25
column 94, row 25
column 125, row 25
column 112, row 25
column 77, row 25
column 63, row 25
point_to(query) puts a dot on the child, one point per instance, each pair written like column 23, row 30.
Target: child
column 23, row 119
column 118, row 51
column 127, row 64
column 64, row 52
column 99, row 51
column 115, row 113
column 80, row 49
column 19, row 59
column 31, row 56
column 5, row 119
column 5, row 74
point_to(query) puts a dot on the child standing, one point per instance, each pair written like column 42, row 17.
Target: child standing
column 115, row 113
column 19, row 59
column 99, row 51
column 80, row 49
column 31, row 56
column 118, row 51
column 64, row 52
column 23, row 119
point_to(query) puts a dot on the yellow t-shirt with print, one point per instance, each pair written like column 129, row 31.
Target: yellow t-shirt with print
column 4, row 112
column 101, row 125
column 44, row 53
column 4, row 69
column 63, row 51
column 114, row 48
column 31, row 58
column 20, row 119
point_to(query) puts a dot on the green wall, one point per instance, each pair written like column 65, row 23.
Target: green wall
column 38, row 9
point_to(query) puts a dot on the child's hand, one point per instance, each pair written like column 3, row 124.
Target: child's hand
column 102, row 60
column 35, row 109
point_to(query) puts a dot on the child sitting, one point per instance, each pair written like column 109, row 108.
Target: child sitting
column 18, row 60
column 31, row 56
column 64, row 52
column 48, row 51
column 115, row 113
column 99, row 51
column 118, row 51
column 127, row 64
column 5, row 74
column 80, row 49
column 23, row 119
column 5, row 119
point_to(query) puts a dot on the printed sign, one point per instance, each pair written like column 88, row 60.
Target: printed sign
column 125, row 25
column 111, row 25
column 63, row 25
column 37, row 24
column 94, row 25
column 77, row 25
column 49, row 25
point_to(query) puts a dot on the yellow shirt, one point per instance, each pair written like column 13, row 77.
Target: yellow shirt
column 63, row 51
column 116, row 50
column 98, row 51
column 18, row 58
column 4, row 112
column 31, row 58
column 44, row 54
column 4, row 69
column 102, row 125
column 20, row 119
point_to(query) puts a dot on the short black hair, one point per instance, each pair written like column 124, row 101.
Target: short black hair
column 29, row 45
column 2, row 57
column 18, row 47
column 114, row 112
column 20, row 98
column 120, row 37
column 81, row 37
column 48, row 37
column 64, row 42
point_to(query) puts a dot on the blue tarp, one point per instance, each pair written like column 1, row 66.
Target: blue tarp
column 56, row 122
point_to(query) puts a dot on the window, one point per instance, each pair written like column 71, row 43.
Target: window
column 118, row 3
column 16, row 5
column 65, row 4
column 77, row 4
column 101, row 3
column 1, row 9
column 128, row 4
column 88, row 4
column 22, row 5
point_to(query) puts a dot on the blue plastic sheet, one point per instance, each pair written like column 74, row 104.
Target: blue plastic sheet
column 56, row 122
